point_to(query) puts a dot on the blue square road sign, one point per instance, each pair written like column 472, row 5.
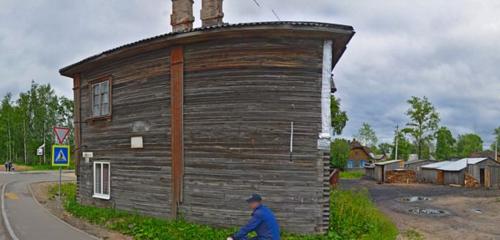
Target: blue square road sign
column 60, row 155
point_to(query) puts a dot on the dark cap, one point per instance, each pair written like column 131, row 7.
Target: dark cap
column 254, row 198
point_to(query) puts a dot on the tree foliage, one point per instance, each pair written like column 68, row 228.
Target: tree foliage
column 366, row 135
column 405, row 147
column 26, row 123
column 339, row 117
column 496, row 133
column 445, row 144
column 340, row 149
column 385, row 148
column 469, row 143
column 424, row 120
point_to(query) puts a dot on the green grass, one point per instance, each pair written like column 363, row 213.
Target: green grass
column 353, row 216
column 351, row 174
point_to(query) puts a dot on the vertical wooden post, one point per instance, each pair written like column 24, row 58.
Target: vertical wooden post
column 177, row 145
column 77, row 121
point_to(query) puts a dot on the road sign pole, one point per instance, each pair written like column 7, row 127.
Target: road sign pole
column 60, row 181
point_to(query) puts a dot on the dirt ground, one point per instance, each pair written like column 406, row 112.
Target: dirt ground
column 40, row 191
column 466, row 213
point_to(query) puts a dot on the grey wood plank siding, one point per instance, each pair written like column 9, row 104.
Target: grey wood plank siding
column 239, row 99
column 140, row 178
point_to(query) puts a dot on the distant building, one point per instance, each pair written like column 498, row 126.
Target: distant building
column 361, row 155
column 378, row 170
column 486, row 154
column 453, row 172
column 415, row 165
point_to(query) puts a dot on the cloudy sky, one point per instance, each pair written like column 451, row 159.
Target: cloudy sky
column 446, row 50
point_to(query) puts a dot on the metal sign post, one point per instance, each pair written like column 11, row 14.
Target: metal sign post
column 60, row 153
column 60, row 158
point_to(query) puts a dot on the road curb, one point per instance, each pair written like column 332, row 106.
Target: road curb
column 54, row 216
column 6, row 222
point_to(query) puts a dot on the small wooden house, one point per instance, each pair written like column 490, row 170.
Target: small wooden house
column 360, row 155
column 192, row 122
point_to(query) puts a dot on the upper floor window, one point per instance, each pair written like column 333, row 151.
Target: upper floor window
column 101, row 98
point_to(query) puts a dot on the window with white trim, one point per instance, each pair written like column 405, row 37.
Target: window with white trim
column 102, row 183
column 101, row 99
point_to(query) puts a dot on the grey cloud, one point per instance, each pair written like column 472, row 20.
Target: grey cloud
column 446, row 50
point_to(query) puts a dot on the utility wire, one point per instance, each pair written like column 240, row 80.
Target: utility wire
column 272, row 10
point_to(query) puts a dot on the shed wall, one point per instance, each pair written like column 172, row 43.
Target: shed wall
column 428, row 175
column 494, row 176
column 454, row 177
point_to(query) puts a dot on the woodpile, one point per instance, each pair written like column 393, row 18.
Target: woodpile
column 470, row 181
column 401, row 176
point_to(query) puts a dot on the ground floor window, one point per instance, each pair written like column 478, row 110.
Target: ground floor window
column 362, row 163
column 350, row 164
column 102, row 176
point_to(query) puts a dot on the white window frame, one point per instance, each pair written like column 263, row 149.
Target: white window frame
column 100, row 195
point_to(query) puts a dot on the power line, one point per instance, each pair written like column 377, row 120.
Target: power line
column 272, row 10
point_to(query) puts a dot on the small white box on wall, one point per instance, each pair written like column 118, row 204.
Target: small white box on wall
column 136, row 142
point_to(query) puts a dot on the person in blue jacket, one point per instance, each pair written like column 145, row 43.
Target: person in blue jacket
column 263, row 222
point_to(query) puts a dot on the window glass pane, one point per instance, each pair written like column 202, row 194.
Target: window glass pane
column 105, row 87
column 105, row 98
column 96, row 89
column 97, row 174
column 105, row 109
column 105, row 177
column 96, row 111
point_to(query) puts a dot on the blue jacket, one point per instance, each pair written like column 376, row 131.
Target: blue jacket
column 263, row 223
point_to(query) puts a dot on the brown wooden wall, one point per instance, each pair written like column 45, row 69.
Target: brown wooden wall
column 140, row 178
column 240, row 96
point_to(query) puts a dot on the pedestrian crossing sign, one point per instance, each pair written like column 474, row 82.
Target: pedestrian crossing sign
column 60, row 155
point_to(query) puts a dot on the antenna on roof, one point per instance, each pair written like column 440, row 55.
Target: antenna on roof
column 272, row 10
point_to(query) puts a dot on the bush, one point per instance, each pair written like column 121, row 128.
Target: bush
column 339, row 153
column 353, row 216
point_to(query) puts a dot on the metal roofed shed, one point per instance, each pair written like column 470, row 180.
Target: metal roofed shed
column 453, row 172
column 377, row 171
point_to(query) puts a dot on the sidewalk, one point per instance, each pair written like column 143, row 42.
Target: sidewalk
column 30, row 221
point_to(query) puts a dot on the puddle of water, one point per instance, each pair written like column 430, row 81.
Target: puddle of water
column 415, row 199
column 477, row 210
column 428, row 212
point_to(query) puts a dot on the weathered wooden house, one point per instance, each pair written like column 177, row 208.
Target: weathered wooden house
column 361, row 155
column 192, row 122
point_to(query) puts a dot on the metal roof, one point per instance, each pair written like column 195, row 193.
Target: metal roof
column 436, row 165
column 454, row 165
column 388, row 162
column 210, row 28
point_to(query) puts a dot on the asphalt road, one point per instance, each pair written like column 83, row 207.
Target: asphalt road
column 27, row 219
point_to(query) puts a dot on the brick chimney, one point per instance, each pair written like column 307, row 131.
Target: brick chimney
column 182, row 15
column 211, row 13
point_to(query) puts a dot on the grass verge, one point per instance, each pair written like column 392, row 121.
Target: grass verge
column 353, row 216
column 351, row 174
column 37, row 167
